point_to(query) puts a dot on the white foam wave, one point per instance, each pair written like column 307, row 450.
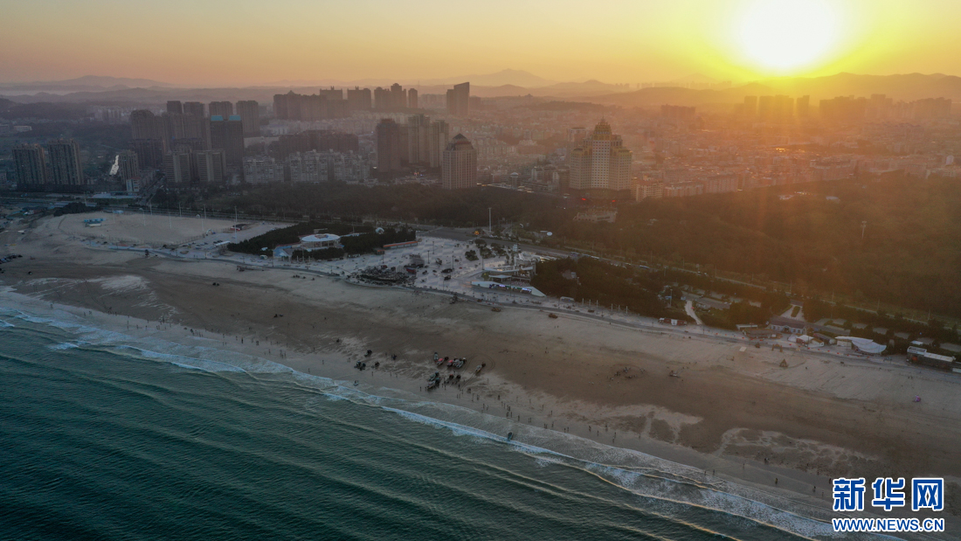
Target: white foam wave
column 657, row 480
column 643, row 475
column 64, row 346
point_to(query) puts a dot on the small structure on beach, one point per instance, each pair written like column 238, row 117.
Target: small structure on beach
column 861, row 345
column 496, row 287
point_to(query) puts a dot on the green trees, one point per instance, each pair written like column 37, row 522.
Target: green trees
column 355, row 239
column 603, row 283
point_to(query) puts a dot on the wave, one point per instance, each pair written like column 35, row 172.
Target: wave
column 660, row 482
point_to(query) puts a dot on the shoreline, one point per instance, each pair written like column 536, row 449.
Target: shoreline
column 377, row 384
column 734, row 414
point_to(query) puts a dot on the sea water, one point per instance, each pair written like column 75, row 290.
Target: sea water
column 103, row 436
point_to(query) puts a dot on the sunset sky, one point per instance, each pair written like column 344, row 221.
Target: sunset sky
column 221, row 42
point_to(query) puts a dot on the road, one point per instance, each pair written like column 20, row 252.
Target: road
column 689, row 308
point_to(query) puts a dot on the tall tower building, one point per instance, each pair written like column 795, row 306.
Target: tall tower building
column 211, row 165
column 221, row 108
column 601, row 162
column 398, row 97
column 249, row 112
column 803, row 105
column 458, row 100
column 437, row 141
column 194, row 108
column 146, row 125
column 65, row 167
column 412, row 98
column 228, row 135
column 459, row 169
column 174, row 107
column 177, row 166
column 150, row 152
column 765, row 108
column 418, row 137
column 381, row 99
column 30, row 163
column 359, row 99
column 129, row 165
column 332, row 93
column 389, row 151
column 749, row 108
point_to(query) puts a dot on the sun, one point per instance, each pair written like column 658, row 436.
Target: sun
column 785, row 36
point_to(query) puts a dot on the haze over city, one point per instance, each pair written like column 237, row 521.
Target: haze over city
column 543, row 270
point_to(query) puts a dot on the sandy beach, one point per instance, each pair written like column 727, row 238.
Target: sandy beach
column 735, row 411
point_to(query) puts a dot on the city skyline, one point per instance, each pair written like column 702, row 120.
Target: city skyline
column 738, row 40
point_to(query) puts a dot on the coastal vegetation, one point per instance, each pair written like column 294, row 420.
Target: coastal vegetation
column 864, row 241
column 355, row 239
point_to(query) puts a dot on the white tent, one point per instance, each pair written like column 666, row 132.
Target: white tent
column 863, row 345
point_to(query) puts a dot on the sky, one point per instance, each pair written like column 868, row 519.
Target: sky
column 243, row 42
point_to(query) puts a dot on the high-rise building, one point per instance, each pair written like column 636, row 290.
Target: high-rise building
column 765, row 107
column 458, row 100
column 128, row 165
column 194, row 108
column 418, row 135
column 398, row 97
column 783, row 108
column 175, row 107
column 146, row 125
column 359, row 99
column 412, row 98
column 437, row 141
column 173, row 127
column 426, row 140
column 332, row 93
column 389, row 150
column 195, row 128
column 211, row 166
column 459, row 169
column 31, row 166
column 381, row 99
column 228, row 135
column 803, row 105
column 601, row 162
column 150, row 152
column 221, row 108
column 249, row 111
column 293, row 106
column 65, row 167
column 178, row 166
column 749, row 108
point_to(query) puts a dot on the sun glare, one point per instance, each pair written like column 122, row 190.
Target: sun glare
column 787, row 35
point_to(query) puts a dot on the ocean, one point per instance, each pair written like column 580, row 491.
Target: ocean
column 108, row 437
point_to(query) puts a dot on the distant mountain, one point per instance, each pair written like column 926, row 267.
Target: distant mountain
column 89, row 83
column 503, row 78
column 592, row 87
column 121, row 91
column 698, row 78
column 104, row 81
column 907, row 87
column 498, row 91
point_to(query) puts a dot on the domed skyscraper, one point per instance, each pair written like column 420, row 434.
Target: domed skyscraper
column 459, row 167
column 601, row 162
